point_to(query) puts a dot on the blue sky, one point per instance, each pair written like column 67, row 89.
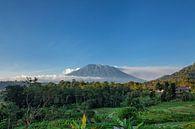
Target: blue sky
column 47, row 36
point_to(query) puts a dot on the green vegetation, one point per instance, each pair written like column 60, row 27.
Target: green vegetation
column 170, row 112
column 167, row 115
column 185, row 77
column 94, row 105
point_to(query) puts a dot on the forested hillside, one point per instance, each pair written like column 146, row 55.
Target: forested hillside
column 187, row 72
column 184, row 77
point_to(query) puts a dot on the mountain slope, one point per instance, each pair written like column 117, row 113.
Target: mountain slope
column 184, row 77
column 187, row 72
column 107, row 73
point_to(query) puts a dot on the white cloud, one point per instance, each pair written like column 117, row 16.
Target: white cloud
column 150, row 72
column 42, row 77
column 146, row 73
column 50, row 78
column 69, row 70
column 81, row 78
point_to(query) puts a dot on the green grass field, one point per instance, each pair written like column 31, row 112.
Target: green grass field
column 171, row 115
column 164, row 115
column 167, row 115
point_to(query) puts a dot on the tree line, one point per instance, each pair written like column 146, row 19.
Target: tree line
column 35, row 101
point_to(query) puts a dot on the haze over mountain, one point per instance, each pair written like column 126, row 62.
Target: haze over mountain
column 104, row 72
column 47, row 75
column 4, row 84
column 149, row 72
column 93, row 72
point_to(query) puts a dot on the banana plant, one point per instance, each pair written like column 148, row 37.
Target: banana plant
column 81, row 125
column 126, row 124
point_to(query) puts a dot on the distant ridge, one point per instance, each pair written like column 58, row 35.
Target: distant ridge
column 184, row 77
column 4, row 84
column 106, row 72
column 185, row 73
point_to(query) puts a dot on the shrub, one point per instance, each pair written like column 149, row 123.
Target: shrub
column 3, row 124
column 151, row 102
column 100, row 118
column 130, row 112
column 89, row 104
column 189, row 126
column 187, row 97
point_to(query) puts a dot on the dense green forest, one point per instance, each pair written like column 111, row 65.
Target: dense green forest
column 62, row 105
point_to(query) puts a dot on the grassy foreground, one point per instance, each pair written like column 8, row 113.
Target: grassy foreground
column 178, row 115
column 167, row 115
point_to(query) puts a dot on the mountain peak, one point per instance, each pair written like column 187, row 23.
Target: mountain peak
column 106, row 72
column 95, row 65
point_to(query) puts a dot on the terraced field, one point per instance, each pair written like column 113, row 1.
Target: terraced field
column 170, row 115
column 167, row 115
